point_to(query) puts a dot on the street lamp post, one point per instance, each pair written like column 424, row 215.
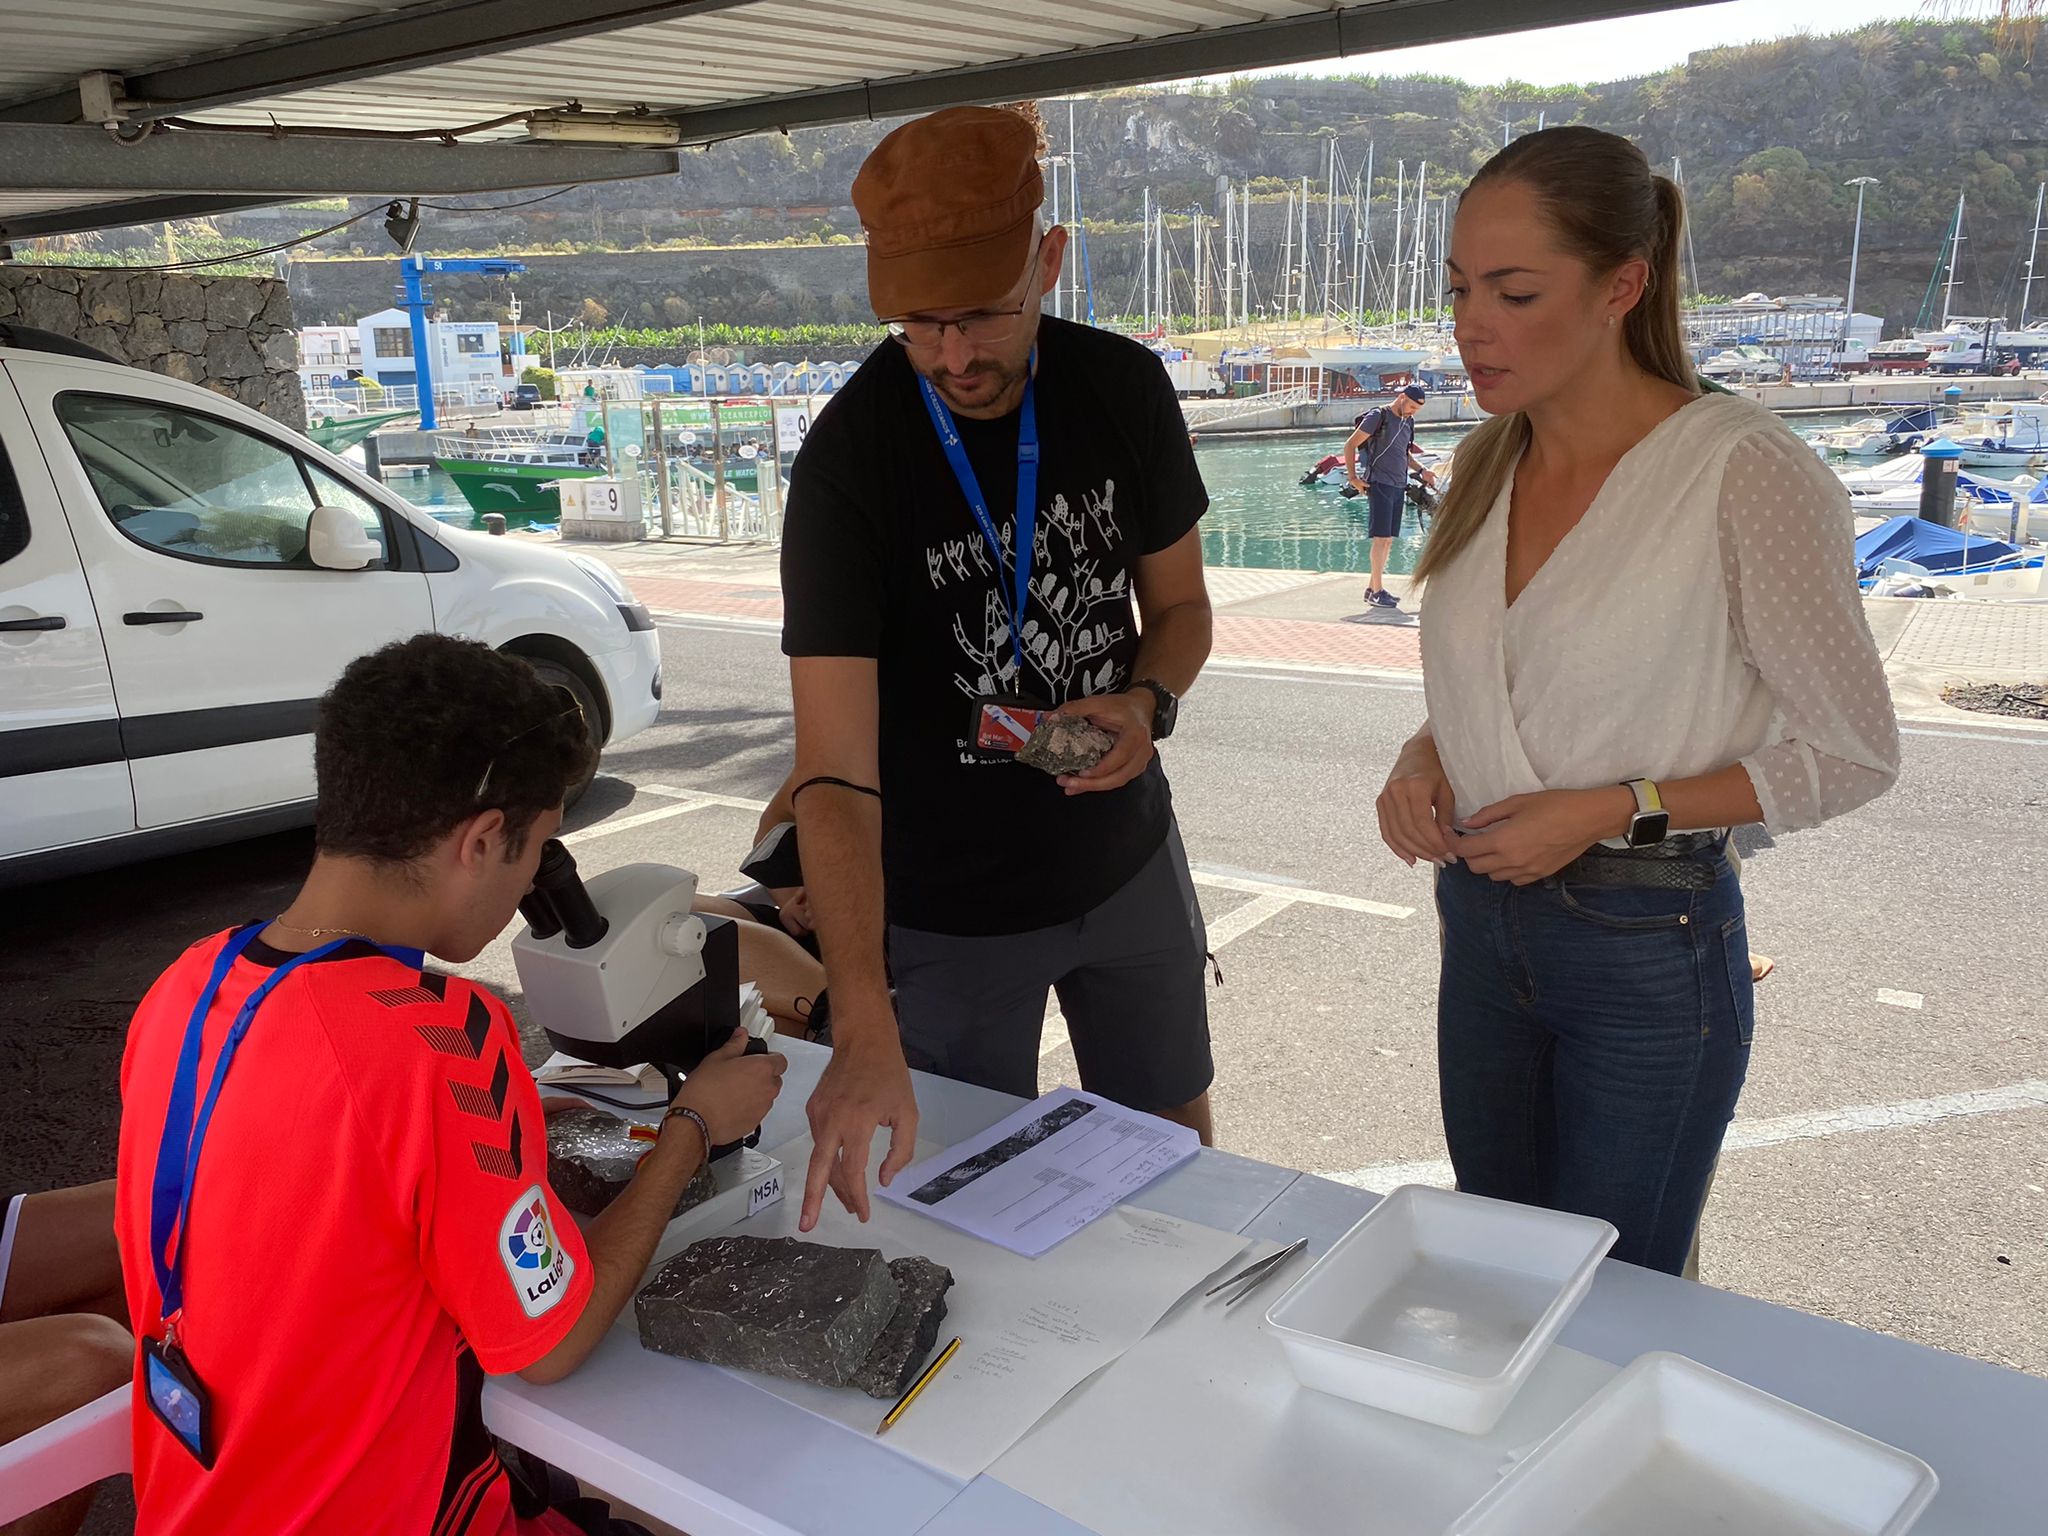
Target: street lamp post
column 1862, row 184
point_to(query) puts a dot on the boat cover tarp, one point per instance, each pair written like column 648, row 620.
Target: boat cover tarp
column 1928, row 545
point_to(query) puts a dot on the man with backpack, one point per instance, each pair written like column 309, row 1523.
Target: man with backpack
column 1384, row 438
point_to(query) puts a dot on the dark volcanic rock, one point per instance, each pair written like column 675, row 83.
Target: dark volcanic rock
column 772, row 1304
column 900, row 1353
column 591, row 1158
column 1066, row 744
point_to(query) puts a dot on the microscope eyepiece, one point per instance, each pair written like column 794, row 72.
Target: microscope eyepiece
column 557, row 885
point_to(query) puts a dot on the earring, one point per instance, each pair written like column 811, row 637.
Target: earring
column 1610, row 322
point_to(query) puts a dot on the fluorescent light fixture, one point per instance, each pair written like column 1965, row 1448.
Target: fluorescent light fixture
column 596, row 128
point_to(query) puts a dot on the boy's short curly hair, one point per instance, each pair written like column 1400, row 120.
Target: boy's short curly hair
column 416, row 738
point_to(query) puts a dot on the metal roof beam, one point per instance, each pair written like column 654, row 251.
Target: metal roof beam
column 121, row 214
column 444, row 32
column 187, row 174
column 1346, row 32
column 75, row 158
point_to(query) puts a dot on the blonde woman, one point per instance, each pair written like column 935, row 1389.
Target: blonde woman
column 1642, row 629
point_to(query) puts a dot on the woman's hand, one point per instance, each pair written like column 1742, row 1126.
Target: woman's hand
column 1416, row 806
column 1526, row 838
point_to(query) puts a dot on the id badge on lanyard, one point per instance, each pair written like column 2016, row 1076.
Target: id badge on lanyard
column 1002, row 722
column 176, row 1396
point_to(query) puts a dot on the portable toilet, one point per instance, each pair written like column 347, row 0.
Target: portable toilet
column 781, row 379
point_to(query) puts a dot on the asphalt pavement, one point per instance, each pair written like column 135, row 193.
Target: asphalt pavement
column 1890, row 1156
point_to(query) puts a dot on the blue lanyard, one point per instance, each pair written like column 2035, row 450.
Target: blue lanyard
column 177, row 1154
column 1024, row 531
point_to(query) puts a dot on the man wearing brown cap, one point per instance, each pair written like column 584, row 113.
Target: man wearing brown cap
column 969, row 522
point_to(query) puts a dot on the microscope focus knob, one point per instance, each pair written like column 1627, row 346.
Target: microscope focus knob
column 682, row 935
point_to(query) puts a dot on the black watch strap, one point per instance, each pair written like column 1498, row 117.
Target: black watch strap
column 1165, row 707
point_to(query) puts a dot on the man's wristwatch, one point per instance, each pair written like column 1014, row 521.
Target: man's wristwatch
column 1165, row 707
column 1651, row 822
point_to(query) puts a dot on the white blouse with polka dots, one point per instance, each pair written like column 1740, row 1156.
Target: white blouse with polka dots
column 1703, row 611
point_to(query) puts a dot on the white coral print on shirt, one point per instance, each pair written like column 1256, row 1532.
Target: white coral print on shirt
column 1076, row 610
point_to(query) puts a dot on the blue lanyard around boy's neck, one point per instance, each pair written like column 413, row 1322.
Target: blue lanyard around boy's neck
column 1024, row 530
column 177, row 1154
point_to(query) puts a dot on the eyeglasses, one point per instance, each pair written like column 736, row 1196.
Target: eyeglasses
column 574, row 708
column 980, row 328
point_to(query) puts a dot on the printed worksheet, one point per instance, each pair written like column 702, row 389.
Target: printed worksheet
column 1030, row 1330
column 1045, row 1172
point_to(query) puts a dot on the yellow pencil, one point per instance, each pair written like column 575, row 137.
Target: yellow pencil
column 918, row 1385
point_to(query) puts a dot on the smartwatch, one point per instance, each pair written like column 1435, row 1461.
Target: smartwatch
column 1651, row 822
column 1165, row 707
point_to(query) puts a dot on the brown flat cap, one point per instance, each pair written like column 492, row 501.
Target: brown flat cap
column 950, row 205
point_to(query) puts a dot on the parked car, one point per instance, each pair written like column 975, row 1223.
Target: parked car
column 523, row 397
column 181, row 578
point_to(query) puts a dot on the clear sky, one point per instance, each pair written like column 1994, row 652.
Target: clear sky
column 1617, row 50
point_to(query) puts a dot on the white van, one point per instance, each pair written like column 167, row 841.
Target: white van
column 181, row 578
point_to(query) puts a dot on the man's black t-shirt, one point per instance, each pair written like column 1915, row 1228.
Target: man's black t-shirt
column 882, row 557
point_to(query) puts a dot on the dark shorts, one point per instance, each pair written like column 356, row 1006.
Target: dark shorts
column 1129, row 975
column 1388, row 503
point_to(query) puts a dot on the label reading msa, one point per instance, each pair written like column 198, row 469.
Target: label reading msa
column 765, row 1193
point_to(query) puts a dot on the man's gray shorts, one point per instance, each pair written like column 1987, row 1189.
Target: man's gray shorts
column 1129, row 975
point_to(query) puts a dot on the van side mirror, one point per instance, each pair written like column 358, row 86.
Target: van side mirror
column 337, row 541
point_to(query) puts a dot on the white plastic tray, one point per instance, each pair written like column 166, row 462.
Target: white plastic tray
column 1672, row 1447
column 1437, row 1305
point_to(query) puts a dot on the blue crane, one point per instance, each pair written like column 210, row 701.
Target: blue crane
column 415, row 298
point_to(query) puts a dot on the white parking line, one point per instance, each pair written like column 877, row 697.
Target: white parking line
column 1239, row 921
column 1749, row 1135
column 1255, row 887
column 735, row 802
column 626, row 823
column 717, row 621
column 1234, row 924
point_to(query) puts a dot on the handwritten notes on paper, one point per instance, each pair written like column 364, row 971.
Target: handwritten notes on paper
column 1031, row 1329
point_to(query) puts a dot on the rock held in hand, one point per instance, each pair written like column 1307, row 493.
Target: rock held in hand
column 591, row 1158
column 1066, row 744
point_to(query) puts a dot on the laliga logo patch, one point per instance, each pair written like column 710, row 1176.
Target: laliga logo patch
column 539, row 1267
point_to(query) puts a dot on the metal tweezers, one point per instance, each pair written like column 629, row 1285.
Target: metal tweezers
column 1252, row 1276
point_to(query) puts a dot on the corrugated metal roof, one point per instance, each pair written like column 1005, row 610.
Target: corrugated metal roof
column 718, row 67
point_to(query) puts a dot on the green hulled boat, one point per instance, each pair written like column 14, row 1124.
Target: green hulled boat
column 514, row 473
column 510, row 484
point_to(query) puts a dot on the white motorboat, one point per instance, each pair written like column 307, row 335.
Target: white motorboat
column 2008, row 437
column 1904, row 428
column 1744, row 365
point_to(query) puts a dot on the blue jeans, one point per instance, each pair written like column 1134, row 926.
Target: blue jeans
column 1591, row 1042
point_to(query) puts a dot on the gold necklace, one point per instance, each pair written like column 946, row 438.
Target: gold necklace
column 317, row 933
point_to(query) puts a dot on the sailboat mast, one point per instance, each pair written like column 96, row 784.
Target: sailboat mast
column 1052, row 166
column 2033, row 250
column 1303, row 289
column 1080, row 268
column 1244, row 271
column 1421, row 239
column 1229, row 249
column 1330, row 238
column 1393, row 295
column 1145, row 261
column 1955, row 262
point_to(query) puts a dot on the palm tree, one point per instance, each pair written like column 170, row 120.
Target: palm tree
column 2015, row 24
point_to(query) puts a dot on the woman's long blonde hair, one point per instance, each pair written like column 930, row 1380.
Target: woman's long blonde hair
column 1607, row 207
